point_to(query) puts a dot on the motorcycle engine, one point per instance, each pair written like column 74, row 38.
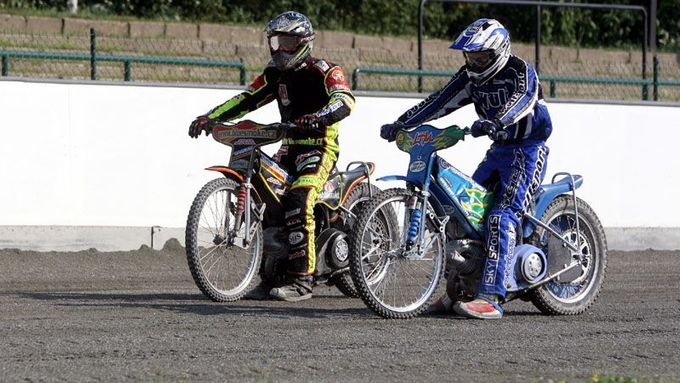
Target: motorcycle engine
column 275, row 254
column 464, row 264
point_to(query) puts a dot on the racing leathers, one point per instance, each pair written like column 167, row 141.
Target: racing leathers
column 317, row 91
column 515, row 164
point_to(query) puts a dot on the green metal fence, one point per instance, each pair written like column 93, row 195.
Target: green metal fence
column 85, row 54
column 655, row 83
column 94, row 58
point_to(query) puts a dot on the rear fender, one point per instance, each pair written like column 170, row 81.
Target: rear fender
column 392, row 178
column 547, row 193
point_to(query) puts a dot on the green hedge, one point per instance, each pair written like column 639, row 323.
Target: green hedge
column 572, row 27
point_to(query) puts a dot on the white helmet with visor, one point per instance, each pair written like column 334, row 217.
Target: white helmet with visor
column 486, row 47
column 290, row 37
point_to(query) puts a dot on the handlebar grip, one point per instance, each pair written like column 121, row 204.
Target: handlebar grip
column 287, row 125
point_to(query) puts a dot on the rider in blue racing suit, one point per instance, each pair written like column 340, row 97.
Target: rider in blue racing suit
column 508, row 99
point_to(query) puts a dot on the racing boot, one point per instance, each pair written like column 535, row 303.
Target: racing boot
column 442, row 306
column 484, row 307
column 259, row 292
column 298, row 290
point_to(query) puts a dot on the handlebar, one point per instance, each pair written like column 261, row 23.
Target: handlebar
column 276, row 125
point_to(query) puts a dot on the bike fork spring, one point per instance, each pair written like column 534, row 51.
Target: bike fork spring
column 241, row 203
column 414, row 225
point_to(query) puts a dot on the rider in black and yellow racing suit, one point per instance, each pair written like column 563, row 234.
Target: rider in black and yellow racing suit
column 314, row 94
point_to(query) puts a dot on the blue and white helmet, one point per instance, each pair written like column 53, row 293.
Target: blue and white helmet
column 486, row 47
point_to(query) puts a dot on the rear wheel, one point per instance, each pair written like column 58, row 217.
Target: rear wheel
column 356, row 199
column 222, row 266
column 576, row 296
column 392, row 281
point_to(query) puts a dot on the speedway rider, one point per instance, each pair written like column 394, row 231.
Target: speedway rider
column 315, row 95
column 508, row 99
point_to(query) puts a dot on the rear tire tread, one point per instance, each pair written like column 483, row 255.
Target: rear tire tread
column 540, row 297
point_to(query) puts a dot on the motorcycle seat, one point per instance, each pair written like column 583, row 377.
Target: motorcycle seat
column 563, row 185
column 357, row 174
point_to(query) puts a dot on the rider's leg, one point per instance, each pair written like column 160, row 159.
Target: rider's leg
column 312, row 168
column 485, row 175
column 521, row 170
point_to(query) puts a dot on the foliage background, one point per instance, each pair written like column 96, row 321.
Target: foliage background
column 572, row 27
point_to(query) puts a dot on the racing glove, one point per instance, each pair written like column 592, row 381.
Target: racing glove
column 499, row 135
column 389, row 131
column 308, row 122
column 483, row 127
column 200, row 124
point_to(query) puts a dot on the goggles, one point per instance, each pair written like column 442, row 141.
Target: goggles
column 479, row 60
column 285, row 43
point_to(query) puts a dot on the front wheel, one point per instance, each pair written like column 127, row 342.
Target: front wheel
column 221, row 263
column 394, row 280
column 576, row 296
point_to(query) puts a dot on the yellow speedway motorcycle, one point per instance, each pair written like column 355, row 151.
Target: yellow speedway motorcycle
column 235, row 229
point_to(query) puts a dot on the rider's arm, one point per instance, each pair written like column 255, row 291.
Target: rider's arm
column 451, row 97
column 256, row 95
column 523, row 100
column 341, row 100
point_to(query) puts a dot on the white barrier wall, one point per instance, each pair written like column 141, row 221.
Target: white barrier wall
column 119, row 155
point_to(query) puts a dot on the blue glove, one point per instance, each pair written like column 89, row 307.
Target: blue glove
column 483, row 128
column 389, row 131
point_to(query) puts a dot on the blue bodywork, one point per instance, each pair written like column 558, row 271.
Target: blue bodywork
column 422, row 143
column 546, row 194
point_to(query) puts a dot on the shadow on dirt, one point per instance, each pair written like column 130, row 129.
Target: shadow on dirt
column 197, row 304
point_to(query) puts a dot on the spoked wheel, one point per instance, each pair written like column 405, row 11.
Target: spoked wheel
column 355, row 201
column 392, row 281
column 576, row 296
column 222, row 265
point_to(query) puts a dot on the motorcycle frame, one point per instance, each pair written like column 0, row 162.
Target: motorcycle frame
column 245, row 179
column 422, row 188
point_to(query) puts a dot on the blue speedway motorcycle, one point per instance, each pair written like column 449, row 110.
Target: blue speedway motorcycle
column 407, row 241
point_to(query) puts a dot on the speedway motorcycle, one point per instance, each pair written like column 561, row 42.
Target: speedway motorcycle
column 406, row 240
column 235, row 228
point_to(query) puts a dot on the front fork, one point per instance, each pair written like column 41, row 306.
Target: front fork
column 417, row 216
column 245, row 207
column 246, row 213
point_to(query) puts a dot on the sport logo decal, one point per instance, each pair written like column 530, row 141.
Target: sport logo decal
column 295, row 237
column 336, row 80
column 422, row 138
column 338, row 76
column 283, row 95
column 417, row 166
column 244, row 141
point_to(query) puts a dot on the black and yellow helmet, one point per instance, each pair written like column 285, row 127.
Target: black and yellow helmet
column 290, row 37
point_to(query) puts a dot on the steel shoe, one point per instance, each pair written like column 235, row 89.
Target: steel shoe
column 298, row 290
column 259, row 292
column 442, row 306
column 484, row 307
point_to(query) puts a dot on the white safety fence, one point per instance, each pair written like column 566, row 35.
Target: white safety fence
column 83, row 159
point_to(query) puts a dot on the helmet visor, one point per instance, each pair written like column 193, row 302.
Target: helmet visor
column 285, row 43
column 479, row 60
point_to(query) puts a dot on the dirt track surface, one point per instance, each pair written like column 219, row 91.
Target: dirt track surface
column 137, row 316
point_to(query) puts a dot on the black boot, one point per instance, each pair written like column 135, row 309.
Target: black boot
column 298, row 290
column 259, row 292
